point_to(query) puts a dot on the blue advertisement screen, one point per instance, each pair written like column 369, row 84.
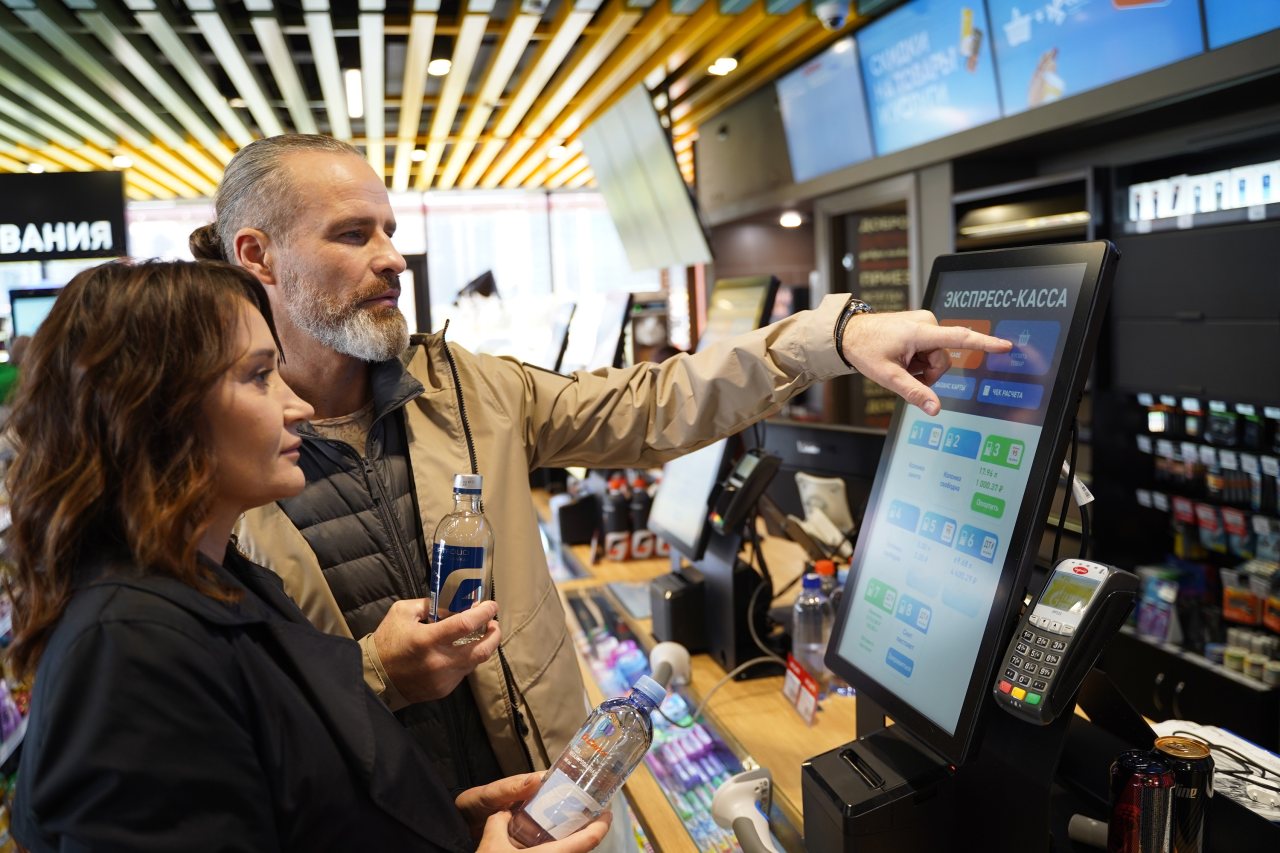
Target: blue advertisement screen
column 928, row 72
column 824, row 114
column 1234, row 20
column 1057, row 48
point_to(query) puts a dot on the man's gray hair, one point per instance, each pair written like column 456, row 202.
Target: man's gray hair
column 256, row 192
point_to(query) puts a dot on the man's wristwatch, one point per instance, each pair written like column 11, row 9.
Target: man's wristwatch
column 852, row 308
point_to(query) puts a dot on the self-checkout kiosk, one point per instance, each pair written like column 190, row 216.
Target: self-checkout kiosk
column 926, row 627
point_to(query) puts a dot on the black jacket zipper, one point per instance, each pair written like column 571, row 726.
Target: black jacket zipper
column 517, row 718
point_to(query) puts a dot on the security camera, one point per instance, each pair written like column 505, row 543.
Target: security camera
column 832, row 14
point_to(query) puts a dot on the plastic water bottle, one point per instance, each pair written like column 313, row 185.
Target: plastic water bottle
column 810, row 627
column 592, row 767
column 462, row 554
column 617, row 521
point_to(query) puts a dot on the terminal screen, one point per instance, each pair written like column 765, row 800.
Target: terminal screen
column 1067, row 592
column 950, row 493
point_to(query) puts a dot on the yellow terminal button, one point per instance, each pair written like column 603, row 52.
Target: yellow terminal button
column 1019, row 693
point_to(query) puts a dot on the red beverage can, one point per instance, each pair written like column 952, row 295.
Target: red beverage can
column 1141, row 803
column 1192, row 767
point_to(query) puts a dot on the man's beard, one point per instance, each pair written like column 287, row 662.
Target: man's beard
column 369, row 334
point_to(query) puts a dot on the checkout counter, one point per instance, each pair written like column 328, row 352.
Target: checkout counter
column 752, row 718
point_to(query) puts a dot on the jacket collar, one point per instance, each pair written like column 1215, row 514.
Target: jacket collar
column 392, row 387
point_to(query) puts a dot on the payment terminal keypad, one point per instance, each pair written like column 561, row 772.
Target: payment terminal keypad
column 1036, row 654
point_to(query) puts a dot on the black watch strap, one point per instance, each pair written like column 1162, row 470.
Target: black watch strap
column 852, row 308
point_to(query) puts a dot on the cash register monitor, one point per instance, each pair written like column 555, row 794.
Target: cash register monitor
column 959, row 501
column 683, row 502
column 737, row 305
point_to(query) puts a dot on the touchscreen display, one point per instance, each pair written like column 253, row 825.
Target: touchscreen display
column 951, row 491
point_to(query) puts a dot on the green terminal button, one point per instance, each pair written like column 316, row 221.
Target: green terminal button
column 1000, row 450
column 987, row 505
column 1033, row 698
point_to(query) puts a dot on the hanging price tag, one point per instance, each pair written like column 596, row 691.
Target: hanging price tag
column 801, row 690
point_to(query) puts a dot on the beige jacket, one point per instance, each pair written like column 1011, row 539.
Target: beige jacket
column 522, row 418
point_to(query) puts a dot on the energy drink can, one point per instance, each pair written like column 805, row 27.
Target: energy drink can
column 1192, row 767
column 1141, row 801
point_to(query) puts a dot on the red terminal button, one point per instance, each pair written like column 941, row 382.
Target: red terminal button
column 1005, row 687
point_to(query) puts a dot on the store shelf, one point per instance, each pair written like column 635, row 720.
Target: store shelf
column 1232, row 216
column 12, row 742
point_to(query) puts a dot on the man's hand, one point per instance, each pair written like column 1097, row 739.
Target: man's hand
column 894, row 349
column 421, row 659
column 479, row 804
column 495, row 838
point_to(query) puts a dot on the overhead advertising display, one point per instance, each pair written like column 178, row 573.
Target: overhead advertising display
column 824, row 114
column 928, row 71
column 1230, row 21
column 1053, row 49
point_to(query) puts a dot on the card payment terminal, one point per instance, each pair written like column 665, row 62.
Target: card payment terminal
column 1082, row 604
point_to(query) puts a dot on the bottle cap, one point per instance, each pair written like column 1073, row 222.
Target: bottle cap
column 825, row 567
column 650, row 688
column 811, row 581
column 618, row 482
column 467, row 484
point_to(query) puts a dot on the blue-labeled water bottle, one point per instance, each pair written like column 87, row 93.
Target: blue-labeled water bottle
column 810, row 628
column 461, row 554
column 595, row 764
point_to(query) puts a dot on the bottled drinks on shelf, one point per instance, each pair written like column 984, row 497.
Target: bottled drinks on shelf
column 810, row 627
column 461, row 554
column 592, row 768
column 641, row 537
column 617, row 521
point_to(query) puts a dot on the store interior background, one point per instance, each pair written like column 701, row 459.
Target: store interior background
column 1193, row 334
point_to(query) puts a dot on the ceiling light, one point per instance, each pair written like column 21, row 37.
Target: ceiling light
column 236, row 103
column 722, row 66
column 355, row 92
column 660, row 101
column 1022, row 226
column 557, row 152
column 843, row 46
column 35, row 168
column 790, row 219
column 121, row 161
column 439, row 67
column 417, row 155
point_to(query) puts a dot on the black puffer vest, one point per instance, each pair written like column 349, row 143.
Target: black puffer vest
column 360, row 516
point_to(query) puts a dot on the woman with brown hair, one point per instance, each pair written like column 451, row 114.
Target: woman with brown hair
column 181, row 700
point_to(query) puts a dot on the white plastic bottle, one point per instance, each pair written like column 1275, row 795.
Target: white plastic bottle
column 592, row 767
column 810, row 627
column 461, row 554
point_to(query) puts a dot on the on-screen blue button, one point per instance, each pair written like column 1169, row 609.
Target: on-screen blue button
column 1018, row 395
column 955, row 387
column 897, row 660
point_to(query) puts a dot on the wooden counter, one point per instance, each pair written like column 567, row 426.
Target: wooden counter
column 752, row 716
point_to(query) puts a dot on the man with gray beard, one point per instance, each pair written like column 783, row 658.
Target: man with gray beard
column 397, row 418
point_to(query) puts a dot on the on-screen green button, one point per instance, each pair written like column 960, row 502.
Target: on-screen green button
column 987, row 505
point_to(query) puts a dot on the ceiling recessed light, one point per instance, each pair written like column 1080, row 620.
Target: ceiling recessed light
column 790, row 219
column 417, row 155
column 122, row 161
column 722, row 66
column 35, row 168
column 439, row 67
column 354, row 85
column 236, row 103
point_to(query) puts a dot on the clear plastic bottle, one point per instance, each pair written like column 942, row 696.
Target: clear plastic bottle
column 810, row 627
column 461, row 554
column 592, row 767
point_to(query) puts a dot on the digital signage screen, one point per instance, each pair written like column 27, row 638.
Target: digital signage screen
column 1230, row 21
column 823, row 113
column 1047, row 51
column 928, row 72
column 955, row 516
